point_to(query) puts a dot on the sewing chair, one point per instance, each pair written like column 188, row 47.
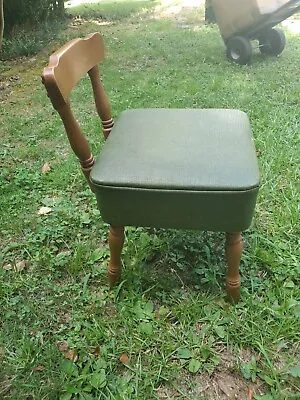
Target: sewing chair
column 167, row 168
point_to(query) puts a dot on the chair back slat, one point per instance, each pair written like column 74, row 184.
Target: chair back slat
column 68, row 64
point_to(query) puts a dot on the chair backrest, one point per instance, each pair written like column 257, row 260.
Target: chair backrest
column 66, row 66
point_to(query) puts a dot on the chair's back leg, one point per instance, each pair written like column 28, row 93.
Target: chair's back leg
column 233, row 250
column 116, row 235
column 116, row 241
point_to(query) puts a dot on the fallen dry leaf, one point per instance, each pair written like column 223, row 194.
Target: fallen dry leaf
column 227, row 385
column 7, row 267
column 6, row 382
column 62, row 346
column 39, row 368
column 250, row 393
column 46, row 167
column 96, row 351
column 20, row 265
column 125, row 359
column 162, row 393
column 64, row 317
column 44, row 210
column 68, row 353
column 71, row 355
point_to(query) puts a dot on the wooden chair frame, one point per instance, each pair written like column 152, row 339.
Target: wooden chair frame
column 66, row 66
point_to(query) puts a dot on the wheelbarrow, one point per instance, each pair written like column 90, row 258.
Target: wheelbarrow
column 240, row 22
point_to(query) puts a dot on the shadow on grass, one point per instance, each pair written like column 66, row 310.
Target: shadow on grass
column 171, row 262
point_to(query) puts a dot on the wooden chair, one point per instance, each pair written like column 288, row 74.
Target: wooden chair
column 169, row 168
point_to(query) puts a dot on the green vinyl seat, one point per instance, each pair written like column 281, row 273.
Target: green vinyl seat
column 168, row 168
column 178, row 168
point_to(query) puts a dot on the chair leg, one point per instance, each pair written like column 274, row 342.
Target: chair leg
column 116, row 241
column 233, row 251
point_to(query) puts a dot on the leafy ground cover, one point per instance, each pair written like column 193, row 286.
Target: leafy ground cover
column 165, row 332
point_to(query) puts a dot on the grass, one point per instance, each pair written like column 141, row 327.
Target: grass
column 27, row 41
column 112, row 11
column 165, row 331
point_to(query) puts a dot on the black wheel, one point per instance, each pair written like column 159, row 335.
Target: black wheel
column 272, row 42
column 239, row 50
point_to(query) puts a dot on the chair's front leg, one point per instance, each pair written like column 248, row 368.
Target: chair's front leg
column 233, row 250
column 116, row 241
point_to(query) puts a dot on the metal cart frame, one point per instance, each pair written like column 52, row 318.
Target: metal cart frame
column 271, row 40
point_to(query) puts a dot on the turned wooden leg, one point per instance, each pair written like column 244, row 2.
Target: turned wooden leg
column 116, row 241
column 233, row 250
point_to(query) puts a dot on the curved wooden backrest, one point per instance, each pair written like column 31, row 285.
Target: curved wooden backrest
column 66, row 66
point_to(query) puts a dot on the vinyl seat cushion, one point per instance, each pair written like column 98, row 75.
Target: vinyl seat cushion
column 178, row 168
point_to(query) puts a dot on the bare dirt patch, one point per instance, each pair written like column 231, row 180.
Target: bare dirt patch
column 218, row 386
column 225, row 383
column 186, row 13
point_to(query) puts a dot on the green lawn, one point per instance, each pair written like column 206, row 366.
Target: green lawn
column 168, row 317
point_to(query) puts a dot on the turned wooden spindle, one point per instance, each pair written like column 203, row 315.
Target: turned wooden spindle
column 86, row 167
column 101, row 101
column 116, row 241
column 233, row 251
column 107, row 127
column 78, row 142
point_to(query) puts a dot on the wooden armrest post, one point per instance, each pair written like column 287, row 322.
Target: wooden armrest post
column 77, row 140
